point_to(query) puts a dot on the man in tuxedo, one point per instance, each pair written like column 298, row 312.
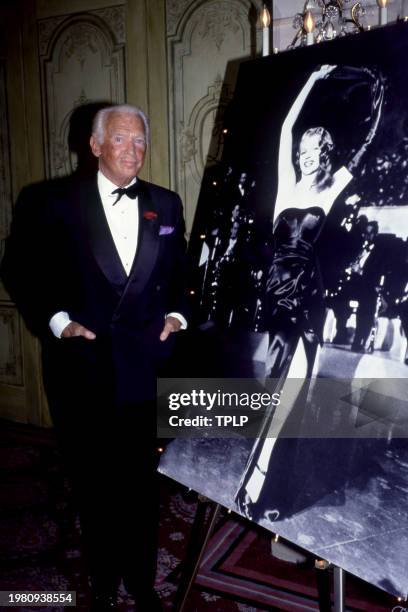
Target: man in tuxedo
column 99, row 271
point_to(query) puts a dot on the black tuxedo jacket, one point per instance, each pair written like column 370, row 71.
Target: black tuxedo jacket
column 61, row 256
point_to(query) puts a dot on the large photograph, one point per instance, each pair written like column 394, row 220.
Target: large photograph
column 301, row 279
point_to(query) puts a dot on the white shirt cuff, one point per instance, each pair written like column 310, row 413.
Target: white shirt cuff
column 61, row 319
column 180, row 317
column 58, row 323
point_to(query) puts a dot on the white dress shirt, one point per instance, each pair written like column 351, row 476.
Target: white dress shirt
column 123, row 221
column 122, row 218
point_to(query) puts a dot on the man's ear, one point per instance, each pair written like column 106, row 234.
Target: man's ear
column 95, row 146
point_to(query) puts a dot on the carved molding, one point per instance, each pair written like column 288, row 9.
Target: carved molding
column 5, row 168
column 175, row 9
column 209, row 108
column 11, row 363
column 215, row 24
column 203, row 36
column 83, row 60
column 46, row 29
column 113, row 17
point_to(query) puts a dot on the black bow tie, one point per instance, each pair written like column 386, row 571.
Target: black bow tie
column 131, row 192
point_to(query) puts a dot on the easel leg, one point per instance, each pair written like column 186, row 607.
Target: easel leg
column 323, row 584
column 339, row 589
column 200, row 535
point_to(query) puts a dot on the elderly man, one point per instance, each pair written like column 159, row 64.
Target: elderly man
column 109, row 260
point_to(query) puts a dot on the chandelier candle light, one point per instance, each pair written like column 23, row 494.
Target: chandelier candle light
column 383, row 11
column 325, row 19
column 266, row 22
column 309, row 25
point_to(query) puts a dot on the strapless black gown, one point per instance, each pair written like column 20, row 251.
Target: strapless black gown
column 294, row 309
column 294, row 305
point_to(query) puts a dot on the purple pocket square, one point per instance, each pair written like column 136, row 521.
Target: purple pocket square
column 165, row 230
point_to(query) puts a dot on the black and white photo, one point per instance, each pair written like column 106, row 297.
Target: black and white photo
column 301, row 277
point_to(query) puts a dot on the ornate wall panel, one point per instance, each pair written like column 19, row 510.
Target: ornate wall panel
column 82, row 60
column 11, row 367
column 202, row 37
column 5, row 172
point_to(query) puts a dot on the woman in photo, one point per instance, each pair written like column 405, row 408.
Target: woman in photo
column 308, row 187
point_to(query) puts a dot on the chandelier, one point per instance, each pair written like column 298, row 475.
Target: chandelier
column 326, row 19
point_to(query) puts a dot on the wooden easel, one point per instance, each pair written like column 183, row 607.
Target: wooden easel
column 203, row 527
column 323, row 587
column 202, row 530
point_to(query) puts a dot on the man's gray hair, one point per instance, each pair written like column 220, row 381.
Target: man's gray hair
column 99, row 122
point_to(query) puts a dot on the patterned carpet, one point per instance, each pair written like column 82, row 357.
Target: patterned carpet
column 39, row 543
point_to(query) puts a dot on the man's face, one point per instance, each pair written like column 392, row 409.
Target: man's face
column 122, row 153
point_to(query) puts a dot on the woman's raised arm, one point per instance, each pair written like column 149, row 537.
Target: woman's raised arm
column 286, row 170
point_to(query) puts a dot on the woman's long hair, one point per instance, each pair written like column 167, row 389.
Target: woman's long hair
column 324, row 177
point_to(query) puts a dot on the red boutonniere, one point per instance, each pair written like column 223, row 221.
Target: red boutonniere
column 150, row 215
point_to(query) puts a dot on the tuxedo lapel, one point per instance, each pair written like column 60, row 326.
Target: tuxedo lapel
column 100, row 237
column 147, row 243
